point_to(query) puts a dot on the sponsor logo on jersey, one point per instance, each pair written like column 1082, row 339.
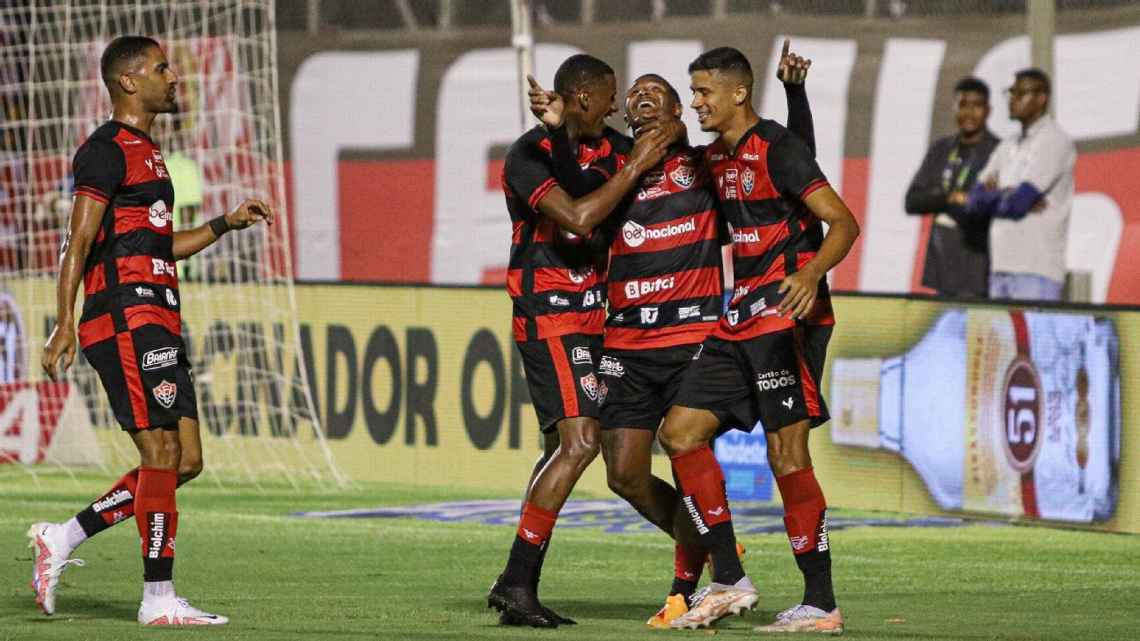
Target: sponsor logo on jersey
column 635, row 235
column 144, row 292
column 774, row 380
column 165, row 393
column 747, row 180
column 581, row 355
column 559, row 301
column 589, row 384
column 159, row 358
column 733, row 317
column 683, row 175
column 651, row 185
column 116, row 499
column 171, row 298
column 159, row 267
column 611, row 366
column 750, row 156
column 757, row 307
column 730, row 175
column 638, row 288
column 157, row 534
column 752, row 236
column 159, row 215
column 156, row 164
column 691, row 311
column 740, row 292
column 648, row 315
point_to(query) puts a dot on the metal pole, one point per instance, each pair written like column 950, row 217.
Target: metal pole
column 1041, row 23
column 313, row 17
column 522, row 39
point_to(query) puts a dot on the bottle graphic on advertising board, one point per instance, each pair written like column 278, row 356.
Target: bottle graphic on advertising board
column 1001, row 412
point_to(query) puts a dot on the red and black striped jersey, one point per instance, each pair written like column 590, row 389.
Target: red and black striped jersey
column 554, row 283
column 129, row 279
column 761, row 185
column 665, row 278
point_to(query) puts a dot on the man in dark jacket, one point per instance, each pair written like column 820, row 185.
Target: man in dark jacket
column 957, row 255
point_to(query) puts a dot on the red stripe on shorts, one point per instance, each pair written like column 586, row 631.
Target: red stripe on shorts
column 807, row 381
column 565, row 376
column 130, row 363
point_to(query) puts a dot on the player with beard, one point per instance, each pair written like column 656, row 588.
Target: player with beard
column 121, row 240
column 665, row 295
column 764, row 360
column 559, row 311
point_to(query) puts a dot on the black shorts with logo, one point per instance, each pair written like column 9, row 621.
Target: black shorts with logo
column 560, row 375
column 774, row 379
column 640, row 385
column 146, row 374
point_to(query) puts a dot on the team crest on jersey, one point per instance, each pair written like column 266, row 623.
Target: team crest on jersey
column 748, row 180
column 579, row 276
column 165, row 393
column 589, row 384
column 603, row 392
column 683, row 175
column 159, row 215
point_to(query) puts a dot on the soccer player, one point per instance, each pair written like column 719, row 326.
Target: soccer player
column 764, row 360
column 664, row 294
column 559, row 309
column 122, row 242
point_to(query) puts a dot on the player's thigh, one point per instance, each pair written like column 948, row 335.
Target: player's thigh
column 785, row 370
column 687, row 428
column 560, row 377
column 190, row 437
column 632, row 384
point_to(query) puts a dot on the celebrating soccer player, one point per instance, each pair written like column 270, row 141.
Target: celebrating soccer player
column 664, row 295
column 121, row 241
column 764, row 360
column 559, row 310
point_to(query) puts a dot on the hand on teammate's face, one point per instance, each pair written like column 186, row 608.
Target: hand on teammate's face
column 793, row 69
column 547, row 106
column 248, row 213
column 650, row 147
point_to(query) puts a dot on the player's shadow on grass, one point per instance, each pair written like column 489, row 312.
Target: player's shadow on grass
column 607, row 609
column 87, row 608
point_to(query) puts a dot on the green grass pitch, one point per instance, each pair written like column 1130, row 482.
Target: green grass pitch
column 281, row 577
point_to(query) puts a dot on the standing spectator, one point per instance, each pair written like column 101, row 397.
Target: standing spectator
column 1027, row 189
column 957, row 254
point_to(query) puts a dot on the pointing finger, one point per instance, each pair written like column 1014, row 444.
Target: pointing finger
column 787, row 46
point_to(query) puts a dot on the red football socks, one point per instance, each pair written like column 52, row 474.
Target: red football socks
column 157, row 520
column 118, row 504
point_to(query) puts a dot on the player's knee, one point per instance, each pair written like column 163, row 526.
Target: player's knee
column 623, row 482
column 582, row 450
column 189, row 467
column 163, row 454
column 785, row 457
column 675, row 440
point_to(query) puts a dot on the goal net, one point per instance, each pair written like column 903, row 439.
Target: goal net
column 238, row 308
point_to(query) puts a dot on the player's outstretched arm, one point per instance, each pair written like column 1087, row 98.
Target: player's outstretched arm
column 793, row 72
column 581, row 215
column 191, row 241
column 800, row 288
column 86, row 216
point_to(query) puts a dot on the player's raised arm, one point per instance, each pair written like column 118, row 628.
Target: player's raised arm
column 793, row 72
column 86, row 215
column 191, row 241
column 581, row 215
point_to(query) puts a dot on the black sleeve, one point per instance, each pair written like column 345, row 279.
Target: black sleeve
column 576, row 181
column 99, row 168
column 793, row 169
column 527, row 172
column 925, row 194
column 799, row 115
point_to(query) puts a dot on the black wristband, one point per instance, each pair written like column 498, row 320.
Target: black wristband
column 219, row 226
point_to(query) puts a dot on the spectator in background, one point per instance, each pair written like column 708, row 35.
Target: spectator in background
column 1027, row 189
column 957, row 254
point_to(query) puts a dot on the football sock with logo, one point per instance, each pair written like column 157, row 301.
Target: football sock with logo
column 535, row 527
column 156, row 515
column 805, row 519
column 688, row 563
column 118, row 504
column 703, row 496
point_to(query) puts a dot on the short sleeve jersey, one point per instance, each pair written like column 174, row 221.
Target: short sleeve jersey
column 762, row 185
column 129, row 279
column 553, row 283
column 665, row 276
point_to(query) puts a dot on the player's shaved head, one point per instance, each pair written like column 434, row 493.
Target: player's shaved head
column 652, row 76
column 578, row 73
column 121, row 54
column 725, row 60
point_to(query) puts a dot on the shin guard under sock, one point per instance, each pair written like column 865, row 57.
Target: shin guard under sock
column 703, row 496
column 156, row 515
column 118, row 504
column 805, row 519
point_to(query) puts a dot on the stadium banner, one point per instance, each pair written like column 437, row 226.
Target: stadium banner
column 421, row 151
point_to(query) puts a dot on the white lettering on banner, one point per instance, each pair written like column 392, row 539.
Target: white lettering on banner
column 669, row 59
column 478, row 110
column 378, row 115
column 900, row 136
column 832, row 62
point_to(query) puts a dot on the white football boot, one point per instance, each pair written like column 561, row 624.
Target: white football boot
column 721, row 601
column 50, row 551
column 806, row 618
column 175, row 610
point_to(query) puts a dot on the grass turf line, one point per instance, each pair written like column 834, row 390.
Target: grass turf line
column 280, row 577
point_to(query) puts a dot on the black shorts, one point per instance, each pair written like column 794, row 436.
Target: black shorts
column 641, row 385
column 773, row 379
column 560, row 375
column 146, row 375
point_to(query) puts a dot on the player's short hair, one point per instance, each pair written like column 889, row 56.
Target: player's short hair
column 724, row 59
column 122, row 51
column 970, row 83
column 1033, row 73
column 672, row 91
column 578, row 72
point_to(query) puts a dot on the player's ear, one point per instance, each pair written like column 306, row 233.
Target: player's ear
column 584, row 100
column 740, row 95
column 127, row 83
column 677, row 109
